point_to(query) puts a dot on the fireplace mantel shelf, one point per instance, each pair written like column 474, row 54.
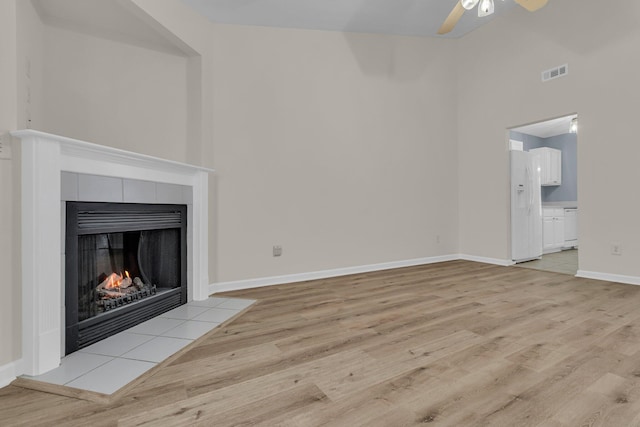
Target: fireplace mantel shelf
column 44, row 158
column 75, row 148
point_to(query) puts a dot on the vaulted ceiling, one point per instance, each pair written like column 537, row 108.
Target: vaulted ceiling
column 111, row 19
column 401, row 17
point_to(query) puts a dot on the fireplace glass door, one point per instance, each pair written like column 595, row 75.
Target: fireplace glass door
column 125, row 263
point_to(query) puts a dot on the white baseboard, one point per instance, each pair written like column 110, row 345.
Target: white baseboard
column 9, row 372
column 495, row 261
column 323, row 274
column 630, row 280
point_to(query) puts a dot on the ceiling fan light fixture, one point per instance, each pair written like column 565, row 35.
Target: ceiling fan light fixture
column 469, row 4
column 486, row 8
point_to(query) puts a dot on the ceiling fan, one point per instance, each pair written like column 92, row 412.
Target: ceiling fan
column 485, row 8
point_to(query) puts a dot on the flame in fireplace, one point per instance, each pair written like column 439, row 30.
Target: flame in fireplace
column 114, row 280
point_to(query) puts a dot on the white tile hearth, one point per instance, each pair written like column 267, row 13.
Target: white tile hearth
column 185, row 312
column 117, row 345
column 74, row 366
column 216, row 314
column 190, row 329
column 110, row 364
column 111, row 376
column 157, row 349
column 211, row 302
column 156, row 326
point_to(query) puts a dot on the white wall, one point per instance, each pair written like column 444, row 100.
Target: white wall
column 339, row 147
column 499, row 87
column 9, row 263
column 20, row 99
column 31, row 56
column 115, row 94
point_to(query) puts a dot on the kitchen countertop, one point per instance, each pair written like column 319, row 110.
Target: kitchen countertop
column 565, row 205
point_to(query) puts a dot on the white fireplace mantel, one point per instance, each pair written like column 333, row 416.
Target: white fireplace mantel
column 44, row 158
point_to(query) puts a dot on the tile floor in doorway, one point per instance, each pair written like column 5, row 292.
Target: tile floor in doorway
column 565, row 262
column 110, row 364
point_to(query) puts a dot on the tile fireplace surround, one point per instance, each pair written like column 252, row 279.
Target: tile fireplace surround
column 48, row 161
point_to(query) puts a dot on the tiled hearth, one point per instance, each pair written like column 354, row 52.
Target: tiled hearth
column 110, row 364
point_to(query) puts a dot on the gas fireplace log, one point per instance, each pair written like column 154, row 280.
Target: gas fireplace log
column 110, row 294
column 126, row 282
column 137, row 282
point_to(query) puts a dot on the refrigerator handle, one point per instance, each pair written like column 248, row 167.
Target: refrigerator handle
column 528, row 180
column 531, row 198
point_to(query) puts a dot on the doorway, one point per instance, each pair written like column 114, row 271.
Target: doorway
column 544, row 195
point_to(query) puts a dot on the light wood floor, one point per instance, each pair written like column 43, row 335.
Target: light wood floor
column 455, row 344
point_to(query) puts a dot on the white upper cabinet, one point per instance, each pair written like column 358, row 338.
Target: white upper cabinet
column 550, row 165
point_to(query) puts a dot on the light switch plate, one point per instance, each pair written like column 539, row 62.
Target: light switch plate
column 5, row 146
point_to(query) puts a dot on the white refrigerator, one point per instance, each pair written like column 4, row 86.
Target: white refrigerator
column 526, row 207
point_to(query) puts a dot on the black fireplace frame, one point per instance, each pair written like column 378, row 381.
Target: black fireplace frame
column 79, row 334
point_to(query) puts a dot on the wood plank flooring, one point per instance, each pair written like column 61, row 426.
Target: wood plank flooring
column 450, row 344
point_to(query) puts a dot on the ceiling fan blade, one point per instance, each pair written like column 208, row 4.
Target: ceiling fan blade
column 532, row 5
column 452, row 19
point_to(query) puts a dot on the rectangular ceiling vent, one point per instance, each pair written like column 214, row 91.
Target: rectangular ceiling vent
column 556, row 72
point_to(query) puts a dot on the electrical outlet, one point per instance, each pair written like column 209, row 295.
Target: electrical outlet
column 437, row 238
column 277, row 250
column 5, row 146
column 616, row 249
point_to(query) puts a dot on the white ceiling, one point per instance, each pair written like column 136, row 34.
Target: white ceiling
column 400, row 17
column 548, row 128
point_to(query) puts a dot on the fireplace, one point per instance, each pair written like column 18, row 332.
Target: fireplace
column 56, row 170
column 125, row 263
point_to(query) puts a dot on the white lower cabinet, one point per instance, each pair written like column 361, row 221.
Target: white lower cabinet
column 547, row 233
column 553, row 238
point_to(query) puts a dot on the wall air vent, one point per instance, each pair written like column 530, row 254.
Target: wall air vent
column 556, row 72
